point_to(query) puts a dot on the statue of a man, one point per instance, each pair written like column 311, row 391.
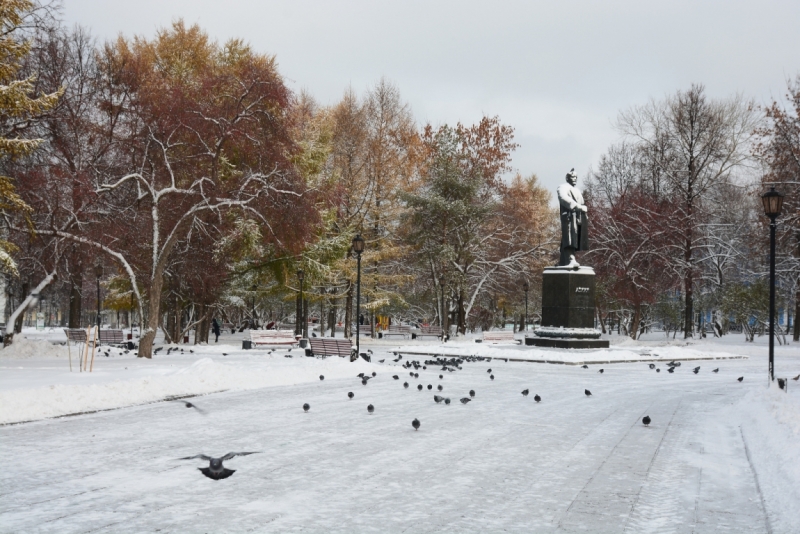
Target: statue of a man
column 574, row 222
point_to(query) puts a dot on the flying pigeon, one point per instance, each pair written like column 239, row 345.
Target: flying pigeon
column 587, row 392
column 351, row 394
column 190, row 405
column 215, row 468
column 525, row 392
column 646, row 420
column 537, row 398
column 465, row 400
column 370, row 408
column 306, row 407
column 415, row 423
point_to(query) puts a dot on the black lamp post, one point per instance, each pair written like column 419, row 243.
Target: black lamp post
column 525, row 288
column 773, row 202
column 358, row 248
column 302, row 315
column 98, row 271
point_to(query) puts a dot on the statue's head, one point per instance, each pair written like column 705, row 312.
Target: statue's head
column 572, row 178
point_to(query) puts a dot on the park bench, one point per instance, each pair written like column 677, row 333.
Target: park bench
column 75, row 334
column 321, row 346
column 364, row 330
column 397, row 330
column 110, row 337
column 501, row 336
column 434, row 331
column 272, row 337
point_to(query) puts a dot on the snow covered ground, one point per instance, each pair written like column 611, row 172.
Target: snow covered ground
column 719, row 455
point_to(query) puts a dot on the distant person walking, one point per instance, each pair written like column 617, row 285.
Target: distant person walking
column 215, row 329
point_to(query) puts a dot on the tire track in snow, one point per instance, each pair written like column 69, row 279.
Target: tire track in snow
column 657, row 507
column 755, row 478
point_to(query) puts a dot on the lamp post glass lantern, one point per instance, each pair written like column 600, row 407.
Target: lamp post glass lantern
column 358, row 248
column 98, row 271
column 773, row 202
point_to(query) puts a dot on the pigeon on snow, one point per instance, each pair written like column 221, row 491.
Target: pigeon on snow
column 646, row 420
column 190, row 405
column 215, row 468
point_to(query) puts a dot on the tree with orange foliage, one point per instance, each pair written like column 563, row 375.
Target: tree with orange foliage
column 203, row 137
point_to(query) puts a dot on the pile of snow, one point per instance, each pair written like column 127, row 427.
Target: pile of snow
column 24, row 348
column 771, row 427
column 524, row 353
column 200, row 377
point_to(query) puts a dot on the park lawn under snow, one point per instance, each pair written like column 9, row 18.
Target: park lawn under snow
column 719, row 455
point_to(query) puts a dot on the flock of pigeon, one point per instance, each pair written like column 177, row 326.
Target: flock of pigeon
column 217, row 471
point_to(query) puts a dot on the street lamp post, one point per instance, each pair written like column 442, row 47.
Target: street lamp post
column 358, row 248
column 525, row 288
column 98, row 271
column 773, row 202
column 302, row 315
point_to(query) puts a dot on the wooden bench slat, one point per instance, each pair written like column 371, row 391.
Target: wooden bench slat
column 272, row 337
column 502, row 336
column 430, row 331
column 330, row 347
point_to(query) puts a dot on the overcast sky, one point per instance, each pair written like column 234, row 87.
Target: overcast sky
column 558, row 72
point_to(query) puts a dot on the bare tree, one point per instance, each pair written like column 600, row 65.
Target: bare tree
column 695, row 144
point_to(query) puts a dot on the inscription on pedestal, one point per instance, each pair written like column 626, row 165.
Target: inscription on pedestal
column 568, row 297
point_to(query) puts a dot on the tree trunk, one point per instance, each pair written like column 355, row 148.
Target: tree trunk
column 26, row 288
column 796, row 336
column 75, row 298
column 348, row 312
column 153, row 315
column 461, row 317
column 305, row 320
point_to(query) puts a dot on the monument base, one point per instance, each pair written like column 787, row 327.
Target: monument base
column 566, row 343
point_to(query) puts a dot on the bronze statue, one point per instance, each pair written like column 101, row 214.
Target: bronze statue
column 574, row 221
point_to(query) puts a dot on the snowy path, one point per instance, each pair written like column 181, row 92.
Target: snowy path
column 502, row 462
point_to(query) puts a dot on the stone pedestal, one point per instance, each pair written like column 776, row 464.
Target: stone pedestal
column 568, row 310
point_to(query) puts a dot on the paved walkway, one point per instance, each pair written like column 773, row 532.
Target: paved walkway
column 500, row 463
